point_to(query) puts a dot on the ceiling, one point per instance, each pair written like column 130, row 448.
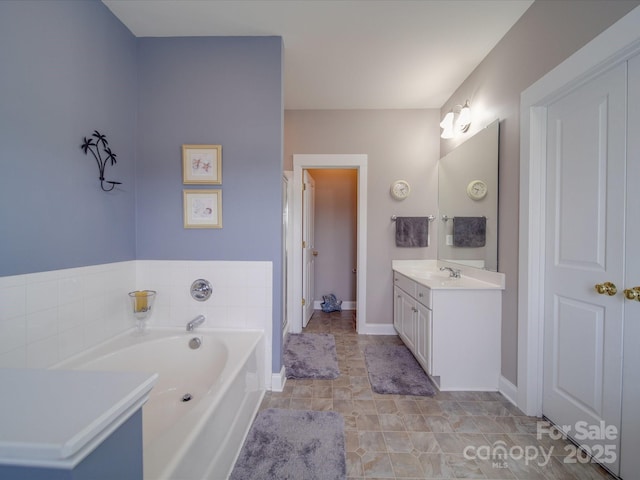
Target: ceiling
column 347, row 54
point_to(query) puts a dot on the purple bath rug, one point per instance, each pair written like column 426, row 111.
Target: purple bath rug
column 293, row 445
column 311, row 355
column 394, row 370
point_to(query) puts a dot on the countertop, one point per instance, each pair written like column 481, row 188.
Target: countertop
column 427, row 273
column 55, row 418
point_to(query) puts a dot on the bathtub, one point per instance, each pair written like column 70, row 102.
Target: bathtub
column 202, row 406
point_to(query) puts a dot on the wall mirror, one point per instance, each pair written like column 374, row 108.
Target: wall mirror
column 468, row 201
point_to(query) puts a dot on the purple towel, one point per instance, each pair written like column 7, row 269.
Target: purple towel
column 412, row 231
column 469, row 231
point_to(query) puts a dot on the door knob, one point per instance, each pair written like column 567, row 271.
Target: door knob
column 606, row 288
column 632, row 293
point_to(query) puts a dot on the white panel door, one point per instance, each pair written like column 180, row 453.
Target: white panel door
column 308, row 247
column 586, row 138
column 630, row 441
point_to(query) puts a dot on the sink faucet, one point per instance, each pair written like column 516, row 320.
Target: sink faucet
column 199, row 320
column 454, row 272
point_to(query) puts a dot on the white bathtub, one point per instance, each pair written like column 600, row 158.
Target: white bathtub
column 200, row 438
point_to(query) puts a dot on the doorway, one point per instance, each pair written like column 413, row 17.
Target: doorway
column 301, row 163
column 333, row 235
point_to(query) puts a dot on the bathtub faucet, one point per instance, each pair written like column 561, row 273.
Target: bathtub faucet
column 199, row 320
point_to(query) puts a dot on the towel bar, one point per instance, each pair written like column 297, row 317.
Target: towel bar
column 430, row 217
column 446, row 218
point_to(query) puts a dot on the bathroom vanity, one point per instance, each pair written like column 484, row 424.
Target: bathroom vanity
column 451, row 325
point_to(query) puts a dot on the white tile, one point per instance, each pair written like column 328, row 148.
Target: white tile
column 14, row 359
column 93, row 284
column 40, row 277
column 257, row 317
column 13, row 281
column 237, row 317
column 216, row 317
column 70, row 342
column 93, row 306
column 41, row 296
column 42, row 354
column 70, row 315
column 219, row 296
column 259, row 274
column 13, row 301
column 257, row 297
column 42, row 324
column 13, row 334
column 95, row 332
column 70, row 289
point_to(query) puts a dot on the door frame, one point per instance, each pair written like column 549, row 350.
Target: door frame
column 356, row 162
column 617, row 44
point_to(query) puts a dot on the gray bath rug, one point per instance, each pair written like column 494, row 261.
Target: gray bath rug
column 293, row 445
column 311, row 355
column 393, row 369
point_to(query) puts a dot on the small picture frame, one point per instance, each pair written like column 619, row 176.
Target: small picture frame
column 202, row 164
column 202, row 208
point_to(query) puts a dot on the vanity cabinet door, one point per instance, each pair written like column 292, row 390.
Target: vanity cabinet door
column 409, row 321
column 405, row 306
column 423, row 336
column 397, row 310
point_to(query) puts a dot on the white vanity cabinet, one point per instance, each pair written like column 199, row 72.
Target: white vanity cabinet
column 452, row 328
column 412, row 317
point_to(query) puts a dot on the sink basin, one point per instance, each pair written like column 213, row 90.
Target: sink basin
column 428, row 273
column 438, row 279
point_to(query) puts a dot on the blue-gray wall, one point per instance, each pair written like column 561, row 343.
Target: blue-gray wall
column 212, row 90
column 69, row 67
column 66, row 68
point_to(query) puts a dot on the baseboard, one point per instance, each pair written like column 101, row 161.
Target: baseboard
column 346, row 305
column 508, row 389
column 278, row 380
column 376, row 329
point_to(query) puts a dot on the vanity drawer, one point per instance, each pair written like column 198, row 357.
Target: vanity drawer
column 404, row 283
column 423, row 295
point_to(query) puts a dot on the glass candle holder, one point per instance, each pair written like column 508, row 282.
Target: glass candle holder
column 141, row 305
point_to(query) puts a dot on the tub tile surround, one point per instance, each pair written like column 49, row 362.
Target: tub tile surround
column 241, row 298
column 47, row 317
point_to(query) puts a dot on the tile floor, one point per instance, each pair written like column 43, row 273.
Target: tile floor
column 408, row 437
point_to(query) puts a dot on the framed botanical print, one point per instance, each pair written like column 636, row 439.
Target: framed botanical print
column 202, row 164
column 202, row 208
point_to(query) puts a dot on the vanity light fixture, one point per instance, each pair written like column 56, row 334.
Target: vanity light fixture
column 463, row 123
column 447, row 125
column 464, row 120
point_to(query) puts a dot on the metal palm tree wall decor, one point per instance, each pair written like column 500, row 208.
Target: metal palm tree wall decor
column 94, row 144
